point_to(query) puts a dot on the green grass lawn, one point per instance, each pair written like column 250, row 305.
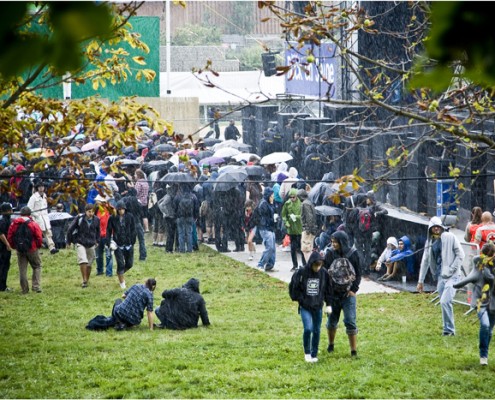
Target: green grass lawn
column 253, row 348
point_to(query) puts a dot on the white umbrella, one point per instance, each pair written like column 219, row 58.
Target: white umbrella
column 56, row 216
column 226, row 152
column 95, row 144
column 275, row 158
column 231, row 143
column 245, row 156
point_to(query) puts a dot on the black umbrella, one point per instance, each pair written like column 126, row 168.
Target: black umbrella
column 229, row 180
column 328, row 210
column 178, row 177
column 255, row 170
column 165, row 147
column 210, row 141
column 203, row 154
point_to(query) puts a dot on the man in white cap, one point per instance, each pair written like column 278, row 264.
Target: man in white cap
column 443, row 256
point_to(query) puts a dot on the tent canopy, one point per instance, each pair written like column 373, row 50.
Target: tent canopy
column 230, row 87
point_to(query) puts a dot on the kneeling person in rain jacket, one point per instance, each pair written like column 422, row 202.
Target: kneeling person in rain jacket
column 182, row 307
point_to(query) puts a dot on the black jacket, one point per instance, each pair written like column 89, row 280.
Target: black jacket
column 124, row 234
column 80, row 232
column 345, row 251
column 312, row 288
column 182, row 307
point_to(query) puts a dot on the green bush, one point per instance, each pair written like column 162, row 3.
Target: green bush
column 196, row 35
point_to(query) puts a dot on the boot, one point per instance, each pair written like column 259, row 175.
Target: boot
column 353, row 344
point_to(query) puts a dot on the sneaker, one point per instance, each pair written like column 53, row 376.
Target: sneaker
column 448, row 334
column 54, row 251
column 37, row 290
column 308, row 358
column 122, row 285
column 293, row 269
column 331, row 348
column 353, row 353
column 250, row 258
column 484, row 361
column 314, row 359
column 84, row 285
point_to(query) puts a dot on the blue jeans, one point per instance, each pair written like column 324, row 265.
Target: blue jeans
column 447, row 292
column 100, row 249
column 311, row 321
column 268, row 256
column 348, row 305
column 140, row 237
column 185, row 233
column 487, row 322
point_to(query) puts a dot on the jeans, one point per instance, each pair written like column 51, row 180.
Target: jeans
column 348, row 305
column 311, row 321
column 170, row 228
column 185, row 232
column 100, row 249
column 4, row 268
column 269, row 254
column 295, row 248
column 447, row 292
column 487, row 322
column 140, row 237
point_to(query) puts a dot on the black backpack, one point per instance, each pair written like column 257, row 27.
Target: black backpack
column 295, row 281
column 185, row 209
column 342, row 273
column 23, row 237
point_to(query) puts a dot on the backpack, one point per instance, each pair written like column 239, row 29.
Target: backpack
column 364, row 219
column 74, row 227
column 23, row 237
column 185, row 208
column 100, row 323
column 295, row 281
column 342, row 273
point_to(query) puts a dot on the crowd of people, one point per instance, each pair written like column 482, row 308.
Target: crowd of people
column 188, row 201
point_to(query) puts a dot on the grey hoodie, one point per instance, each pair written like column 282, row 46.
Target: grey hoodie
column 452, row 253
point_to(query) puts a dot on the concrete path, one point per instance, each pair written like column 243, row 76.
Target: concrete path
column 284, row 264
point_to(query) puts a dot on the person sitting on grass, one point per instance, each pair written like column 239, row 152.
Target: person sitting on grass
column 129, row 312
column 182, row 307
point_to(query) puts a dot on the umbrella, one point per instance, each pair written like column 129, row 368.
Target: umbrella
column 320, row 191
column 245, row 156
column 275, row 158
column 189, row 152
column 95, row 144
column 343, row 186
column 255, row 170
column 234, row 144
column 71, row 150
column 229, row 180
column 209, row 142
column 57, row 216
column 128, row 161
column 328, row 210
column 226, row 152
column 156, row 163
column 211, row 161
column 44, row 152
column 229, row 168
column 203, row 154
column 165, row 147
column 178, row 177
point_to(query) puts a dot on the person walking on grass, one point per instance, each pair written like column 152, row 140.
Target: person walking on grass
column 27, row 242
column 129, row 311
column 343, row 299
column 122, row 230
column 442, row 256
column 310, row 286
column 483, row 277
column 84, row 232
column 309, row 225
